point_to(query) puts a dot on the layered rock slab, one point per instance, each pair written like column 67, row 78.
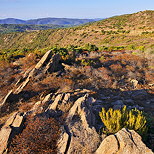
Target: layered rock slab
column 123, row 142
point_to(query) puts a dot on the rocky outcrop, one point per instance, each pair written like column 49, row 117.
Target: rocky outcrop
column 123, row 142
column 79, row 133
column 12, row 126
column 6, row 98
column 47, row 63
column 80, row 128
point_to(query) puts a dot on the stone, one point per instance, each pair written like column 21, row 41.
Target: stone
column 4, row 138
column 75, row 107
column 106, row 148
column 83, row 140
column 134, row 83
column 54, row 105
column 10, row 120
column 62, row 143
column 52, row 64
column 129, row 101
column 66, row 98
column 36, row 108
column 123, row 142
column 44, row 59
column 47, row 98
column 6, row 98
column 21, row 87
column 7, row 132
column 91, row 100
column 86, row 115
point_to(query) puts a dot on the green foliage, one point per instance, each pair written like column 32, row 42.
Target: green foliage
column 131, row 47
column 8, row 28
column 87, row 62
column 115, row 120
column 102, row 58
column 90, row 47
column 61, row 51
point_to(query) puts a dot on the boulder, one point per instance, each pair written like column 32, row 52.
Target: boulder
column 81, row 121
column 7, row 132
column 52, row 64
column 74, row 108
column 21, row 87
column 83, row 140
column 123, row 142
column 62, row 143
column 44, row 59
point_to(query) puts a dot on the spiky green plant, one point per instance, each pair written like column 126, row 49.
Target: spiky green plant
column 114, row 120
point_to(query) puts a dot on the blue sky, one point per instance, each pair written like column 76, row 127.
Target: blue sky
column 27, row 9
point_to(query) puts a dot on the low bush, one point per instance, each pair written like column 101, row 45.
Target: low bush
column 115, row 120
column 39, row 136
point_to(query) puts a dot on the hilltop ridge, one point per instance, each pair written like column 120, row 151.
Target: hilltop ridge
column 136, row 29
column 45, row 21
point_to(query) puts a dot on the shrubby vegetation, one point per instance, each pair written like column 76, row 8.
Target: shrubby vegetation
column 115, row 120
column 39, row 136
column 8, row 28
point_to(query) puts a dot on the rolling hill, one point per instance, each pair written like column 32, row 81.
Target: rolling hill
column 127, row 30
column 45, row 21
column 7, row 28
column 79, row 89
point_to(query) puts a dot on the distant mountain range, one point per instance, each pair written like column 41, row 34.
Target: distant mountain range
column 45, row 21
column 132, row 30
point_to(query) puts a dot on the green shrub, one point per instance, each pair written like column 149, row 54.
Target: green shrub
column 115, row 120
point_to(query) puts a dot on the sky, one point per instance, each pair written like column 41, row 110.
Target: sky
column 30, row 9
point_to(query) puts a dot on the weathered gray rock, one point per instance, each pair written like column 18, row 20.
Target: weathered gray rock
column 123, row 142
column 5, row 133
column 62, row 143
column 47, row 98
column 44, row 59
column 6, row 98
column 69, row 68
column 86, row 115
column 11, row 127
column 48, row 61
column 129, row 101
column 134, row 83
column 52, row 64
column 118, row 107
column 74, row 108
column 66, row 98
column 21, row 87
column 83, row 140
column 80, row 120
column 54, row 105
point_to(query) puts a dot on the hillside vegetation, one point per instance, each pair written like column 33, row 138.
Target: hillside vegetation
column 130, row 31
column 79, row 90
column 8, row 28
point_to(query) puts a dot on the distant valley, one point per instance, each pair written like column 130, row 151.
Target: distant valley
column 16, row 25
